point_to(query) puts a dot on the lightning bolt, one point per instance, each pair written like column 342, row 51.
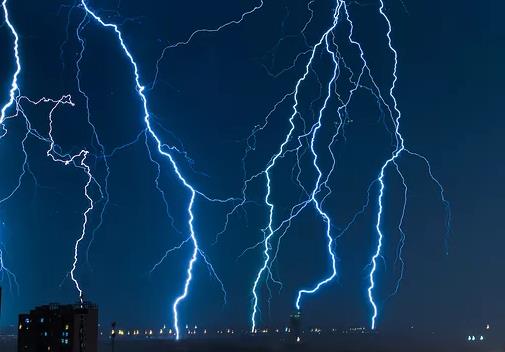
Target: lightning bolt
column 5, row 272
column 13, row 92
column 319, row 177
column 95, row 137
column 165, row 151
column 401, row 244
column 322, row 182
column 400, row 147
column 78, row 160
column 396, row 153
column 198, row 32
column 14, row 88
column 267, row 172
column 305, row 136
column 296, row 210
column 15, row 100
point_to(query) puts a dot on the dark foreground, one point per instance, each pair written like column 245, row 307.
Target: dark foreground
column 256, row 345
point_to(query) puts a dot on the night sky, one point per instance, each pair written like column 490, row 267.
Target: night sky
column 208, row 97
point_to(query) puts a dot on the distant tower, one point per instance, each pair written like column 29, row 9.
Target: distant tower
column 58, row 328
column 113, row 336
column 295, row 326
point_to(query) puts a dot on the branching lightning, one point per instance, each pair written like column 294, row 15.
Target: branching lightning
column 14, row 88
column 300, row 141
column 13, row 92
column 400, row 147
column 200, row 31
column 78, row 160
column 165, row 151
column 96, row 139
column 15, row 100
column 322, row 182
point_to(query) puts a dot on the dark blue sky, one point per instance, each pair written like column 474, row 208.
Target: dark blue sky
column 208, row 97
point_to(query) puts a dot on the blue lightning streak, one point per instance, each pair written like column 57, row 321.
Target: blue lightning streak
column 214, row 274
column 14, row 89
column 401, row 244
column 210, row 267
column 299, row 55
column 396, row 153
column 271, row 164
column 250, row 146
column 399, row 148
column 343, row 107
column 167, row 252
column 172, row 223
column 164, row 150
column 87, row 170
column 299, row 207
column 11, row 277
column 306, row 42
column 398, row 144
column 445, row 202
column 320, row 175
column 78, row 160
column 95, row 137
column 342, row 110
column 160, row 191
column 25, row 168
column 13, row 92
column 73, row 159
column 319, row 185
column 196, row 33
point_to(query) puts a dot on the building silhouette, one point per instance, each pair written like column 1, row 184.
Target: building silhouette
column 59, row 328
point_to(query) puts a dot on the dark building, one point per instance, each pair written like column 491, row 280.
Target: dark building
column 59, row 328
